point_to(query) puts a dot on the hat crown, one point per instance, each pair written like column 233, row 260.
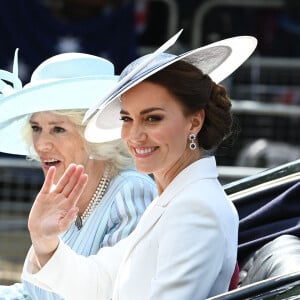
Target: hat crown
column 69, row 81
column 72, row 65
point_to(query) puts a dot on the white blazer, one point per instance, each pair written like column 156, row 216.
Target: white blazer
column 184, row 247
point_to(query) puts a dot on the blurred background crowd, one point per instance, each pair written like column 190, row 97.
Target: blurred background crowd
column 265, row 90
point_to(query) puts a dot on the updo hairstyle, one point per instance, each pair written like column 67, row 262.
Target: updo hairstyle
column 196, row 91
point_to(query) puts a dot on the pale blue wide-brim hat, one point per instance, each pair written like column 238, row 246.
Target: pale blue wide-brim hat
column 218, row 60
column 62, row 82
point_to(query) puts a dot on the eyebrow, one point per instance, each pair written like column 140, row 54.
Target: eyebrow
column 51, row 123
column 143, row 112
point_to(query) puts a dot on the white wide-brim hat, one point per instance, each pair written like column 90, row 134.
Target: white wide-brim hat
column 64, row 81
column 218, row 60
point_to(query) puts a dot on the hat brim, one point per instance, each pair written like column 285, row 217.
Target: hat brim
column 218, row 60
column 75, row 93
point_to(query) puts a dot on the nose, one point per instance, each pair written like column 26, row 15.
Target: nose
column 136, row 133
column 43, row 143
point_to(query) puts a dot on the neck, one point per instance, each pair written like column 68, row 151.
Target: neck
column 164, row 177
column 95, row 170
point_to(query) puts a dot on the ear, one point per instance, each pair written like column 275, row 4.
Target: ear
column 197, row 120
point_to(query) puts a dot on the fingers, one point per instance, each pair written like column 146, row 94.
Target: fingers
column 78, row 188
column 69, row 180
column 48, row 182
column 71, row 185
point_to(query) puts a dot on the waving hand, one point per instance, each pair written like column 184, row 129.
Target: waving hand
column 55, row 209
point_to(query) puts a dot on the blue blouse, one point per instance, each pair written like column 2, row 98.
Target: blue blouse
column 119, row 211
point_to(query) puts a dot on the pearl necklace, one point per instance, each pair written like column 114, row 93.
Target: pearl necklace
column 96, row 199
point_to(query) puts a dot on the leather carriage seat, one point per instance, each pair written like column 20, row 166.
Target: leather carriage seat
column 278, row 257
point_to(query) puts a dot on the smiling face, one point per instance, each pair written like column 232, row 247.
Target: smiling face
column 156, row 130
column 57, row 141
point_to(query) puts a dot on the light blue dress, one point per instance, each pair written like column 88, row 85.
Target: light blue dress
column 119, row 211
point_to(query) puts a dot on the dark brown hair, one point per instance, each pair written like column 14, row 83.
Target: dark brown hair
column 196, row 91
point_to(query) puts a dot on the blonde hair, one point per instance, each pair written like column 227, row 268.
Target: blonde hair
column 114, row 152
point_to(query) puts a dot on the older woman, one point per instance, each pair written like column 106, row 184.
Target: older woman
column 44, row 122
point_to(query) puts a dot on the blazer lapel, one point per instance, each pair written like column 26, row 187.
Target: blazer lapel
column 148, row 220
column 159, row 204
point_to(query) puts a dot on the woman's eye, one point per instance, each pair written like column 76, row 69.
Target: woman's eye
column 124, row 118
column 35, row 128
column 146, row 119
column 154, row 118
column 59, row 129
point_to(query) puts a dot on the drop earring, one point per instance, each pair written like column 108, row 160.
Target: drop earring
column 192, row 138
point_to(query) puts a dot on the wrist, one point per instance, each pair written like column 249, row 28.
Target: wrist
column 44, row 248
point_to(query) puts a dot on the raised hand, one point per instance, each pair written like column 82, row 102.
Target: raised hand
column 55, row 209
